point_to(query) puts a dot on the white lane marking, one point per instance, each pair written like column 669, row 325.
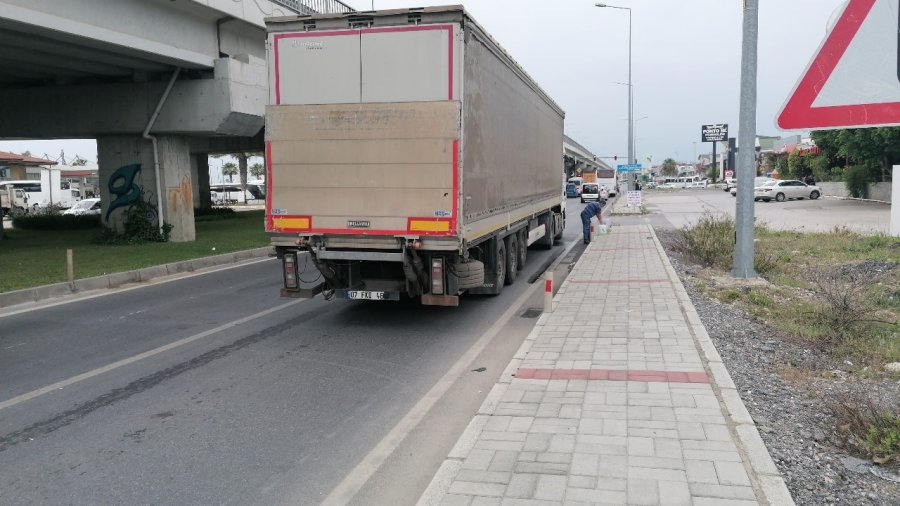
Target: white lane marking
column 354, row 481
column 141, row 356
column 103, row 292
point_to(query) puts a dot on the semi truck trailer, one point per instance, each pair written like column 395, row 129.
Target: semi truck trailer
column 407, row 154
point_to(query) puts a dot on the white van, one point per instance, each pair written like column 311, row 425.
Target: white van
column 590, row 191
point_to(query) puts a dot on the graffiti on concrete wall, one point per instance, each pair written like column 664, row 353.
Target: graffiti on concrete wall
column 123, row 187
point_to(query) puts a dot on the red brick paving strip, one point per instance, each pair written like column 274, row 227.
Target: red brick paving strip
column 617, row 281
column 613, row 375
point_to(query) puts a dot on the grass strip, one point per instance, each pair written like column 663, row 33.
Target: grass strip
column 30, row 258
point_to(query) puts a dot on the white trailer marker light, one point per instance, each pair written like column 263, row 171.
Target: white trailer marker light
column 437, row 276
column 289, row 262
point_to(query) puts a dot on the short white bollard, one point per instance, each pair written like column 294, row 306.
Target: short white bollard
column 548, row 292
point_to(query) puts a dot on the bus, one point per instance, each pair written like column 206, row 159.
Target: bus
column 684, row 182
column 607, row 178
column 230, row 193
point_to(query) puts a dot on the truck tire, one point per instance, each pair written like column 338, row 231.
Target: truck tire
column 547, row 240
column 512, row 259
column 559, row 233
column 469, row 275
column 500, row 265
column 523, row 247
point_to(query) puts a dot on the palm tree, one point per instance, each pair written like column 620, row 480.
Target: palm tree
column 258, row 171
column 229, row 169
column 669, row 167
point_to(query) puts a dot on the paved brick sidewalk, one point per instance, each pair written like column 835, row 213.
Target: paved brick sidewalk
column 617, row 397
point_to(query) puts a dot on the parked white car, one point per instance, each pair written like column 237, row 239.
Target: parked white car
column 84, row 207
column 781, row 190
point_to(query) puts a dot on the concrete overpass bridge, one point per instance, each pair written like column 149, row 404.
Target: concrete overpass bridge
column 159, row 83
column 579, row 158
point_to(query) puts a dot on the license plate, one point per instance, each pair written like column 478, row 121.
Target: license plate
column 365, row 295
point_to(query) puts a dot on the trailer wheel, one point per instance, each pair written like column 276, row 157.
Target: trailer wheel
column 500, row 265
column 512, row 259
column 523, row 247
column 547, row 240
column 559, row 233
column 469, row 275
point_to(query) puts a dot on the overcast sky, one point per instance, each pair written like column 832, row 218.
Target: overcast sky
column 686, row 66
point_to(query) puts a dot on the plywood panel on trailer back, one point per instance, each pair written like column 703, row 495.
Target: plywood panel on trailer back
column 376, row 163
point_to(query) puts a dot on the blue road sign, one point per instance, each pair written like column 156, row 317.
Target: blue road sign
column 634, row 167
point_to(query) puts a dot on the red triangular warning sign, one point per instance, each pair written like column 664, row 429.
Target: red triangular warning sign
column 854, row 79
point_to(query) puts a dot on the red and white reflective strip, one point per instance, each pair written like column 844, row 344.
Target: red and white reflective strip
column 548, row 292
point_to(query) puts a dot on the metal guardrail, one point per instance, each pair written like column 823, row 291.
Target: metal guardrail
column 316, row 6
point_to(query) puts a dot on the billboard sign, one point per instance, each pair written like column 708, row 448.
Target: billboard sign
column 714, row 133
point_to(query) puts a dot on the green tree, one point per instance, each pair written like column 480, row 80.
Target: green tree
column 669, row 167
column 229, row 169
column 798, row 166
column 258, row 170
column 878, row 149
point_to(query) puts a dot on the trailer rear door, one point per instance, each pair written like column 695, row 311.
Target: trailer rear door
column 363, row 131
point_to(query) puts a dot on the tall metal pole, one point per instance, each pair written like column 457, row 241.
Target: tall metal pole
column 630, row 110
column 631, row 160
column 746, row 166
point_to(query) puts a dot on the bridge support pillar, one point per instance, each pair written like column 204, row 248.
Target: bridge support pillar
column 200, row 177
column 127, row 176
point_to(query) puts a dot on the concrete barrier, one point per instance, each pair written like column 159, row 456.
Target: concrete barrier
column 876, row 191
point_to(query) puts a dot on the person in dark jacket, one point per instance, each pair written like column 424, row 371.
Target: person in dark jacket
column 589, row 211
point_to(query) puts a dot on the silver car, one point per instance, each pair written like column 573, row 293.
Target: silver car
column 781, row 190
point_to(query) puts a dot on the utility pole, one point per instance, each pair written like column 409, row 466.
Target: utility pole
column 746, row 166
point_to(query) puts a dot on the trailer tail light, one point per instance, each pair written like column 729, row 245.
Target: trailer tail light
column 437, row 276
column 289, row 264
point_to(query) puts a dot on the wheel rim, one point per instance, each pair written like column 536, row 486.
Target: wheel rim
column 513, row 256
column 814, row 195
column 779, row 197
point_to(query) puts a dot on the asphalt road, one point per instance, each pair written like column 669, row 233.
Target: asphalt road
column 285, row 407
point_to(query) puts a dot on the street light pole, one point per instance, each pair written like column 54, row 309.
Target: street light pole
column 630, row 95
column 744, row 254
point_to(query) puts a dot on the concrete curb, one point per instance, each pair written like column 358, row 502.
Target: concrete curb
column 767, row 481
column 117, row 279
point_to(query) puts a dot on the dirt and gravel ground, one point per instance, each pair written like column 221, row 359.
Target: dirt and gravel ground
column 787, row 387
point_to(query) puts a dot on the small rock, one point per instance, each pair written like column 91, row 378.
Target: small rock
column 767, row 349
column 892, row 367
column 856, row 465
column 806, row 434
column 818, row 435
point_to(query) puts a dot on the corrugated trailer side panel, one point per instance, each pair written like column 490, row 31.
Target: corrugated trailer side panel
column 512, row 136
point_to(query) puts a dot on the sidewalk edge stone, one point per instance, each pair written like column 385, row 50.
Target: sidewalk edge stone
column 440, row 483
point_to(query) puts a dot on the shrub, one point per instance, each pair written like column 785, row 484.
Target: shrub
column 55, row 221
column 731, row 296
column 857, row 179
column 845, row 293
column 760, row 299
column 709, row 243
column 139, row 226
column 883, row 437
column 869, row 424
